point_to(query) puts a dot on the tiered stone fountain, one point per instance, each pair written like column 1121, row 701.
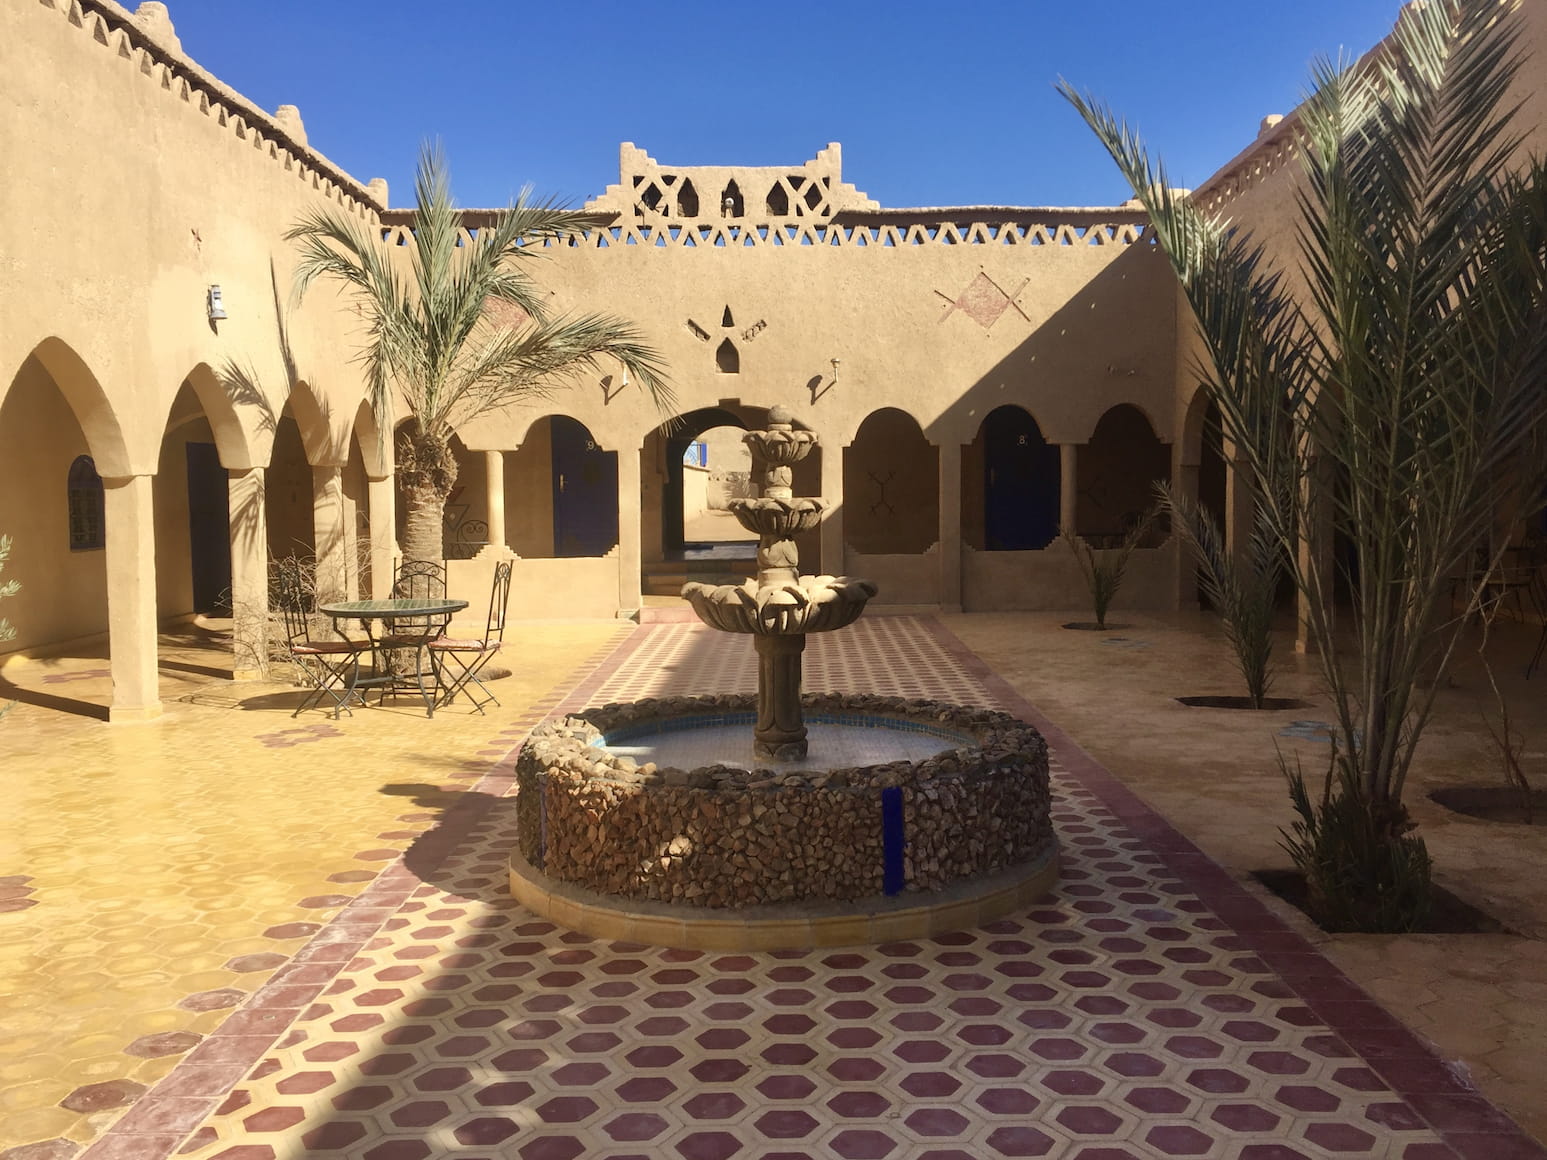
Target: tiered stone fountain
column 655, row 822
column 779, row 606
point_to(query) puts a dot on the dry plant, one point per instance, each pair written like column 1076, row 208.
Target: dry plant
column 9, row 588
column 1242, row 590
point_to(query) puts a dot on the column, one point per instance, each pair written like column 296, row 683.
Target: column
column 630, row 562
column 1068, row 486
column 249, row 574
column 129, row 514
column 950, row 455
column 494, row 503
column 832, row 562
column 328, row 533
column 1239, row 513
column 384, row 550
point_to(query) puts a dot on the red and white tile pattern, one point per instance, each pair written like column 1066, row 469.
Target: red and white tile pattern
column 1149, row 1008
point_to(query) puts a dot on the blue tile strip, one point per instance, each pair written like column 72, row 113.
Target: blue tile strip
column 891, row 840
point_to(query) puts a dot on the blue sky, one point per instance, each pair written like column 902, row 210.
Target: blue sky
column 934, row 104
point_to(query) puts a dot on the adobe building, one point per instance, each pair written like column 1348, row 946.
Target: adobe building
column 979, row 376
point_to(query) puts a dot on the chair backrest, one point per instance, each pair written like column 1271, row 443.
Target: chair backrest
column 418, row 579
column 296, row 603
column 499, row 602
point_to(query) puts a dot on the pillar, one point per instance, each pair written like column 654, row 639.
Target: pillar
column 630, row 562
column 494, row 503
column 832, row 562
column 130, row 518
column 1068, row 486
column 249, row 574
column 384, row 549
column 328, row 533
column 950, row 456
column 1239, row 512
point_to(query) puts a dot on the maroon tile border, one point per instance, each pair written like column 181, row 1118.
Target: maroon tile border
column 1439, row 1092
column 156, row 1124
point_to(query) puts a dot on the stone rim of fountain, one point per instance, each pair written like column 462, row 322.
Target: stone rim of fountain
column 560, row 770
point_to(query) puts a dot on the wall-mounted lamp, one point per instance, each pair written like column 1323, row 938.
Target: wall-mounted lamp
column 217, row 308
column 835, row 370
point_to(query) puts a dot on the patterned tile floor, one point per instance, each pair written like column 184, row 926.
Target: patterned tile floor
column 1148, row 1008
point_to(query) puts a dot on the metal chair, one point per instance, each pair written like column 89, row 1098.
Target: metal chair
column 330, row 667
column 469, row 656
column 415, row 580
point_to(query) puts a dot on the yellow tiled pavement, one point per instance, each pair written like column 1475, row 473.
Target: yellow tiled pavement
column 144, row 864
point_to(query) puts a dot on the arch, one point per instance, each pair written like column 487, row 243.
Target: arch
column 561, row 488
column 375, row 444
column 732, row 204
column 665, row 450
column 1012, row 484
column 727, row 359
column 687, row 199
column 310, row 413
column 891, row 486
column 89, row 402
column 236, row 447
column 1117, row 471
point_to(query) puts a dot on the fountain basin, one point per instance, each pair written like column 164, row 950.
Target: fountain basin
column 756, row 852
column 808, row 604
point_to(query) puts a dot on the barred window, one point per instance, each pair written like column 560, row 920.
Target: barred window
column 86, row 523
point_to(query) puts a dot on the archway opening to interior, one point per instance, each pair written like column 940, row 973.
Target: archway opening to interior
column 1010, row 484
column 1117, row 472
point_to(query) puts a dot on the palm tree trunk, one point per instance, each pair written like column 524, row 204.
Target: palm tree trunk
column 424, row 519
column 427, row 470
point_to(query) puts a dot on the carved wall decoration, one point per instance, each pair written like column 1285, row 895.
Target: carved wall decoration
column 984, row 301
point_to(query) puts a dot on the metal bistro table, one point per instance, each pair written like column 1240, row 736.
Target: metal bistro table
column 412, row 622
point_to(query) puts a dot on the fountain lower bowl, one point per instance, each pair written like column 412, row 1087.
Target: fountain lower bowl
column 720, row 856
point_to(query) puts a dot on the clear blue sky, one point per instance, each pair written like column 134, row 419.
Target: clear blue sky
column 935, row 104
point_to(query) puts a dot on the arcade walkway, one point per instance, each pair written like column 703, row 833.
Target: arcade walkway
column 229, row 934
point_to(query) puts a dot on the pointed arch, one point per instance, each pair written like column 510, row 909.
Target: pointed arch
column 375, row 444
column 239, row 448
column 89, row 403
column 312, row 420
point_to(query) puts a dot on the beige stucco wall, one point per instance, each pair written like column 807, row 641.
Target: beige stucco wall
column 123, row 203
column 63, row 593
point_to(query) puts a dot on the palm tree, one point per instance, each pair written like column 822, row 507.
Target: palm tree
column 459, row 329
column 1400, row 344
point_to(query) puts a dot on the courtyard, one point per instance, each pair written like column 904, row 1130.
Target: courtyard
column 230, row 933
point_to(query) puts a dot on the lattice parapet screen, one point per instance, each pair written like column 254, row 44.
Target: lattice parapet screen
column 648, row 191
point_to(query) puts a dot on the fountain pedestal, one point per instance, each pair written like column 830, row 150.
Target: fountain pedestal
column 780, row 732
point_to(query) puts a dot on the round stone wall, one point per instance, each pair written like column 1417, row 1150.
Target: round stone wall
column 722, row 837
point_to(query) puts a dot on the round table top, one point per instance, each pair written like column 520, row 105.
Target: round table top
column 402, row 606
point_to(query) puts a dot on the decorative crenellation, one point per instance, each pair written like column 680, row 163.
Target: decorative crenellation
column 1279, row 146
column 1114, row 228
column 149, row 45
column 649, row 191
